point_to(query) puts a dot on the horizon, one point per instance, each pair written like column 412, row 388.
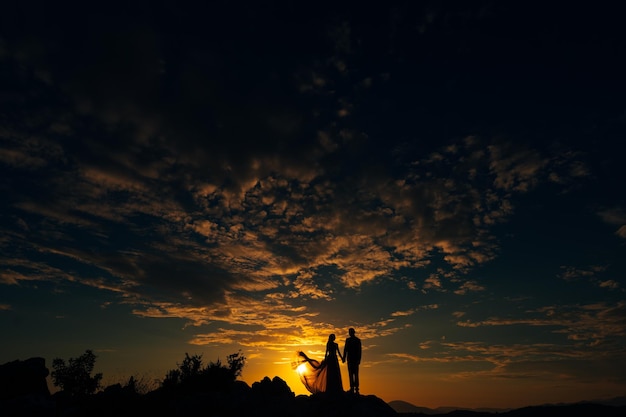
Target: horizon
column 154, row 384
column 446, row 178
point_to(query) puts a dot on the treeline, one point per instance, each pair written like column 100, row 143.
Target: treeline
column 74, row 377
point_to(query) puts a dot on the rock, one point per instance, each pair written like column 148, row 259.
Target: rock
column 272, row 389
column 346, row 405
column 24, row 390
column 24, row 378
column 25, row 393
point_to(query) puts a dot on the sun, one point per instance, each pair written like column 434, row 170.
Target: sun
column 301, row 369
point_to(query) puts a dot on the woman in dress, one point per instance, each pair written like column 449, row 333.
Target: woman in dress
column 322, row 376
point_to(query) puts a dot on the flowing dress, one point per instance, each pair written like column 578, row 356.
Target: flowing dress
column 324, row 376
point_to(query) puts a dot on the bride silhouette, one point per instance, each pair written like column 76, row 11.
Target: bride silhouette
column 322, row 376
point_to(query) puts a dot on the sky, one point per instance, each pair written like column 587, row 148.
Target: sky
column 445, row 177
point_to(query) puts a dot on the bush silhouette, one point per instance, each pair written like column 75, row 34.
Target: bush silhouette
column 192, row 376
column 75, row 377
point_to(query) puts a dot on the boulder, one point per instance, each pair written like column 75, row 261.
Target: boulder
column 24, row 378
column 272, row 389
column 24, row 390
column 346, row 405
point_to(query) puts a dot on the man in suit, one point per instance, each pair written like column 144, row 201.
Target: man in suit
column 352, row 354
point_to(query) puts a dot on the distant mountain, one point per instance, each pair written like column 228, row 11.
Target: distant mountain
column 615, row 402
column 406, row 407
column 446, row 410
column 403, row 407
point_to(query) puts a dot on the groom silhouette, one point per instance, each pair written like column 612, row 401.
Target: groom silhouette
column 352, row 353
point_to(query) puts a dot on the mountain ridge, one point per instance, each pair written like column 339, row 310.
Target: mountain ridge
column 405, row 407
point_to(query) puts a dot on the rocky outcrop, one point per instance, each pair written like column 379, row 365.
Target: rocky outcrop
column 346, row 405
column 24, row 390
column 272, row 388
column 25, row 393
column 24, row 378
column 266, row 398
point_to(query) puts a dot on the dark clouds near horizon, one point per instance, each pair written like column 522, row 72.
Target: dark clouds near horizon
column 269, row 139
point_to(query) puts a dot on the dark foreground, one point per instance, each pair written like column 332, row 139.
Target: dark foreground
column 245, row 401
column 24, row 393
column 259, row 401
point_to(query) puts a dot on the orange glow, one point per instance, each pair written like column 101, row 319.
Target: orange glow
column 426, row 388
column 301, row 369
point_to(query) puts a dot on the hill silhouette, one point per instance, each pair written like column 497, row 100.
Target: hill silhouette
column 406, row 407
column 612, row 408
column 213, row 391
column 190, row 390
column 581, row 409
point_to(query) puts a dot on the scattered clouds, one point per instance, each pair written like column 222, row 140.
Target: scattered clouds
column 572, row 273
column 158, row 226
column 515, row 169
column 412, row 311
column 591, row 324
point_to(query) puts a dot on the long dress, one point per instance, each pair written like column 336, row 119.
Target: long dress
column 324, row 376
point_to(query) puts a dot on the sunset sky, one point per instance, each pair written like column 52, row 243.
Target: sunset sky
column 448, row 178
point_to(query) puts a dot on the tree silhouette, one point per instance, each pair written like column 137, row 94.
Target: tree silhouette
column 236, row 362
column 75, row 376
column 192, row 375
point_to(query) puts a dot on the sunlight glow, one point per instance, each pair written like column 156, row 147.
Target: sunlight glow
column 301, row 369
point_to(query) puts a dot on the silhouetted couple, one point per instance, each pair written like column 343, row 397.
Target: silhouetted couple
column 325, row 376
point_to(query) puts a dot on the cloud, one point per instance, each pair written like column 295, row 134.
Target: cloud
column 515, row 168
column 591, row 324
column 179, row 240
column 405, row 357
column 609, row 284
column 571, row 273
column 469, row 286
column 412, row 311
column 615, row 216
